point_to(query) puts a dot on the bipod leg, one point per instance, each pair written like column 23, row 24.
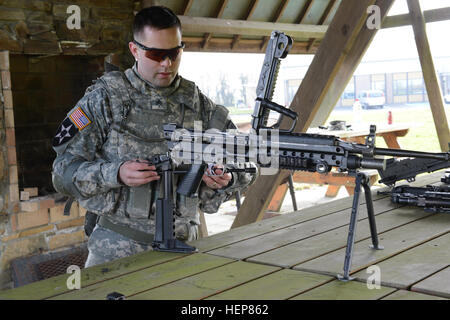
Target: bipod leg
column 371, row 214
column 292, row 191
column 352, row 230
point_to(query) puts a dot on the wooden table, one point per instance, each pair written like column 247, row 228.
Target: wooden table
column 291, row 256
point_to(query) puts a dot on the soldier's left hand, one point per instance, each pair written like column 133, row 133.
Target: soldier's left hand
column 218, row 180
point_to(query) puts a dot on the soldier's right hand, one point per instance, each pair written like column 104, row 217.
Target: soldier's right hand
column 134, row 173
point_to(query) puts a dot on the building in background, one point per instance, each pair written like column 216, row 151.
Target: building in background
column 400, row 80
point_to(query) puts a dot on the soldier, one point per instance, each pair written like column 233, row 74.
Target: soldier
column 103, row 143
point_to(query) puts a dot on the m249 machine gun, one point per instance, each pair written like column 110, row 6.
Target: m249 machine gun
column 435, row 199
column 269, row 147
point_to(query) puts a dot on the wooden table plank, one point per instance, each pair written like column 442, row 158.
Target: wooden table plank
column 285, row 220
column 308, row 249
column 438, row 284
column 57, row 285
column 268, row 225
column 409, row 295
column 338, row 290
column 148, row 278
column 414, row 265
column 269, row 241
column 279, row 285
column 394, row 242
column 208, row 283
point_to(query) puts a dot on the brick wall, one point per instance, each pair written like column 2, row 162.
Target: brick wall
column 43, row 230
column 40, row 26
column 9, row 188
column 44, row 90
column 44, row 71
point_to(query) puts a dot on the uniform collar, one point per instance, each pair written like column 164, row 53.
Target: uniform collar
column 146, row 87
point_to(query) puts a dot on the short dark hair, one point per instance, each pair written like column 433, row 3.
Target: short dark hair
column 157, row 17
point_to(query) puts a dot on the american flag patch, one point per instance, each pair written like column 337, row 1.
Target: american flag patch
column 80, row 119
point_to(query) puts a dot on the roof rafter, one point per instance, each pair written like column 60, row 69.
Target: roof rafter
column 251, row 9
column 187, row 7
column 250, row 28
column 222, row 6
column 322, row 20
column 277, row 17
column 401, row 20
column 305, row 11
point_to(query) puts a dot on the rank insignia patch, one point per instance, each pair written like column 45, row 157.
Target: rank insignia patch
column 65, row 132
column 79, row 118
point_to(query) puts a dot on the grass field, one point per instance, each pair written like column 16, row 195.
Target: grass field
column 421, row 136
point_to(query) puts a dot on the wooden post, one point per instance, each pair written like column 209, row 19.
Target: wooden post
column 429, row 74
column 340, row 51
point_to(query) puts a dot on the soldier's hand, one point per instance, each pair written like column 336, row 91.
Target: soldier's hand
column 135, row 173
column 217, row 181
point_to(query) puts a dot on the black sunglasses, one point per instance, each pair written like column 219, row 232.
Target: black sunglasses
column 159, row 55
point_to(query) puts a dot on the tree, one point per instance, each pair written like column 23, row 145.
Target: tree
column 224, row 94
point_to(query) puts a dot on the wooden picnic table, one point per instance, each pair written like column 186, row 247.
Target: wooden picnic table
column 292, row 256
column 358, row 133
column 336, row 180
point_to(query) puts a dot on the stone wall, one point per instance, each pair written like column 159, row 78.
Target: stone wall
column 44, row 90
column 40, row 27
column 45, row 67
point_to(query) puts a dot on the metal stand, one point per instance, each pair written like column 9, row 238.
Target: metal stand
column 361, row 180
column 164, row 220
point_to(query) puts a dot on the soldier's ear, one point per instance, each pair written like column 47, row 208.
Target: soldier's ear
column 133, row 49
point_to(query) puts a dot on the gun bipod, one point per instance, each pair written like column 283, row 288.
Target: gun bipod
column 362, row 179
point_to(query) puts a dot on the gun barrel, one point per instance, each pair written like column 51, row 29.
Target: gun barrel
column 379, row 164
column 411, row 154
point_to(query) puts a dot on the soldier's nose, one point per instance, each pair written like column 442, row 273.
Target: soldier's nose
column 166, row 62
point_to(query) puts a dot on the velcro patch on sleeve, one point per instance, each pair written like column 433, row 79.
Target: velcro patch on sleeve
column 79, row 118
column 66, row 131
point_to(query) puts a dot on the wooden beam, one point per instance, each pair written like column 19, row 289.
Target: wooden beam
column 223, row 5
column 328, row 60
column 351, row 62
column 187, row 7
column 249, row 28
column 276, row 18
column 322, row 20
column 194, row 44
column 401, row 20
column 251, row 9
column 305, row 11
column 429, row 74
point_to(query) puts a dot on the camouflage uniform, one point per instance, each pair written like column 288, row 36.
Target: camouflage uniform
column 120, row 118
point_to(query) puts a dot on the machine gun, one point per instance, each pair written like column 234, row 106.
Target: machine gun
column 289, row 150
column 164, row 239
column 435, row 199
column 293, row 151
column 407, row 169
column 270, row 147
